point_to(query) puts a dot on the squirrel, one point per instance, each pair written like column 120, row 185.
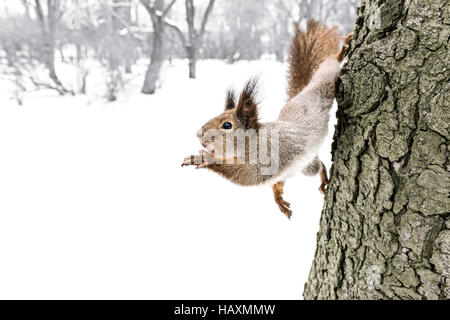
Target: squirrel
column 295, row 137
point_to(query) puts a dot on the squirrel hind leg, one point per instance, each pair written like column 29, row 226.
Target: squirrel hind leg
column 312, row 168
column 344, row 50
column 282, row 204
column 323, row 178
column 317, row 167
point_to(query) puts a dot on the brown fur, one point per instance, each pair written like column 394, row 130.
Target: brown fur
column 278, row 196
column 301, row 122
column 308, row 50
column 247, row 108
column 230, row 102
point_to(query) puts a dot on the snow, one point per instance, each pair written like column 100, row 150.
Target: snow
column 94, row 202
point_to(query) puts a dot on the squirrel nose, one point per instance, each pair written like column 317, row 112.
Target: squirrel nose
column 199, row 133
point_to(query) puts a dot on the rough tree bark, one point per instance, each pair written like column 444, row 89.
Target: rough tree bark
column 385, row 226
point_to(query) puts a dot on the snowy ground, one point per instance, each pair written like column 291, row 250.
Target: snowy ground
column 94, row 203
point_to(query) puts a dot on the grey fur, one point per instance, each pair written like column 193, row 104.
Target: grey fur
column 303, row 122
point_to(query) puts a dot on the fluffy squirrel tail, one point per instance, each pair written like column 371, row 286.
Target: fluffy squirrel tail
column 308, row 50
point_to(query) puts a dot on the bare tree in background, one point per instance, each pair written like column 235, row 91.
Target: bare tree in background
column 194, row 40
column 79, row 34
column 281, row 19
column 158, row 13
column 245, row 25
column 48, row 16
column 114, row 79
column 76, row 35
column 122, row 24
column 27, row 8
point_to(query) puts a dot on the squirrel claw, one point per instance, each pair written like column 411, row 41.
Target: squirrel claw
column 349, row 37
column 287, row 212
column 322, row 188
column 323, row 178
column 344, row 50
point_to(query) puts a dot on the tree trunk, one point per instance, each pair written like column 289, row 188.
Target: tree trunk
column 122, row 17
column 192, row 55
column 153, row 70
column 49, row 61
column 384, row 231
column 195, row 37
column 48, row 24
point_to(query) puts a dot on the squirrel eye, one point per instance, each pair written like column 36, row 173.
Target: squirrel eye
column 227, row 126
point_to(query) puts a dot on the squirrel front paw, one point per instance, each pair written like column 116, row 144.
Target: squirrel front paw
column 202, row 160
column 344, row 50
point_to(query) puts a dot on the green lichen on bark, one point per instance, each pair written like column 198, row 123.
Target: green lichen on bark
column 384, row 231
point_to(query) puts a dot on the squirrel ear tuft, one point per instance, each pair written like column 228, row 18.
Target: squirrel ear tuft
column 247, row 108
column 230, row 102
